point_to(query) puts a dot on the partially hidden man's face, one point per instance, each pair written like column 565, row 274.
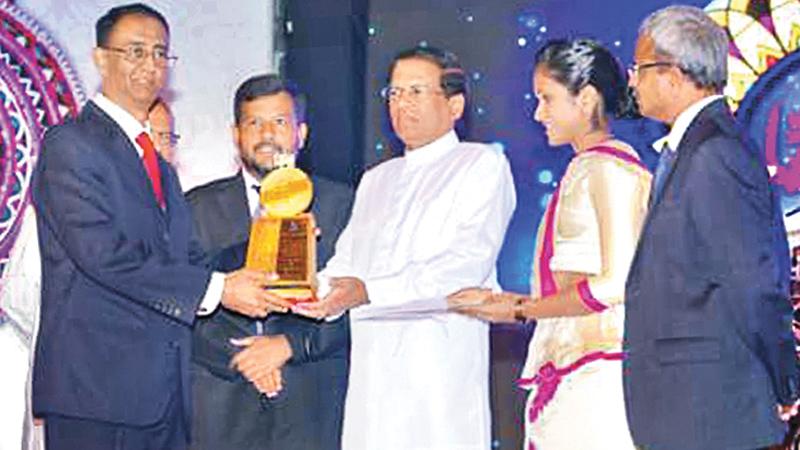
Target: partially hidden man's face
column 268, row 132
column 421, row 119
column 161, row 126
column 133, row 85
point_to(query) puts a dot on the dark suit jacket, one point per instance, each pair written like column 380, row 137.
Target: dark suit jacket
column 320, row 349
column 119, row 293
column 708, row 320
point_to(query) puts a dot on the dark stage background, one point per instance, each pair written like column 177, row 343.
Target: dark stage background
column 339, row 53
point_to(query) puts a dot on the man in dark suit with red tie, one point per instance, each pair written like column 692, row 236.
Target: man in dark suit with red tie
column 120, row 282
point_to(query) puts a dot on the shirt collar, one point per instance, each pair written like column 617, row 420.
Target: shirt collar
column 432, row 151
column 250, row 180
column 682, row 122
column 130, row 126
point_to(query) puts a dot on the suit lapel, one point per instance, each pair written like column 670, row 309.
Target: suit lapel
column 240, row 205
column 696, row 133
column 131, row 167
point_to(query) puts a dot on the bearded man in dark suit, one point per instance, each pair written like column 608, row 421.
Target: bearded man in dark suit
column 286, row 386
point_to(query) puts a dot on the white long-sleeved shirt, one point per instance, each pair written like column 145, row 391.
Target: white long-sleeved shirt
column 423, row 226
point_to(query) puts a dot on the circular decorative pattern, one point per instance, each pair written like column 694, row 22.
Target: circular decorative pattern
column 764, row 84
column 38, row 89
column 762, row 32
column 770, row 113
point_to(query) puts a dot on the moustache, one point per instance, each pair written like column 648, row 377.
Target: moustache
column 269, row 146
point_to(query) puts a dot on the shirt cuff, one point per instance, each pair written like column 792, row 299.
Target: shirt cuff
column 335, row 318
column 213, row 295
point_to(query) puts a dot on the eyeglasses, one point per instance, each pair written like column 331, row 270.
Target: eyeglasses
column 257, row 123
column 137, row 54
column 166, row 137
column 413, row 93
column 634, row 69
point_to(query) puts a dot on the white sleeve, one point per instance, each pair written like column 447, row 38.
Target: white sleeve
column 20, row 290
column 213, row 296
column 340, row 263
column 482, row 211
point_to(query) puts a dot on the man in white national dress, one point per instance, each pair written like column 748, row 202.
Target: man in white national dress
column 423, row 225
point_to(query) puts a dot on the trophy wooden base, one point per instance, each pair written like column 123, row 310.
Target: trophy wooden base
column 287, row 247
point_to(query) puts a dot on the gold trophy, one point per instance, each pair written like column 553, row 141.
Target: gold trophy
column 283, row 238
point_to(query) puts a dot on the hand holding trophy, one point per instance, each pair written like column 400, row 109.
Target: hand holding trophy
column 282, row 237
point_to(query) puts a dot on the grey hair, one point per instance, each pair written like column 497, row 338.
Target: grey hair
column 688, row 37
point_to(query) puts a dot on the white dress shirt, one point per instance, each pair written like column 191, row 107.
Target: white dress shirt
column 682, row 122
column 251, row 187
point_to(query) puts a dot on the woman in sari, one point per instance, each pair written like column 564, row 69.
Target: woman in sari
column 584, row 247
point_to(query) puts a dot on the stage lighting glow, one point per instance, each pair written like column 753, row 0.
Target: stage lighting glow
column 530, row 20
column 544, row 200
column 545, row 176
column 521, row 41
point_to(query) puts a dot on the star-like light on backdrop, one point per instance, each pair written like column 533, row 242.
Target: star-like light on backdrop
column 545, row 200
column 465, row 15
column 545, row 176
column 532, row 30
column 530, row 19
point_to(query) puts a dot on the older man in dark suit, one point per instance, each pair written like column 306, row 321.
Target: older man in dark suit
column 119, row 287
column 711, row 361
column 285, row 389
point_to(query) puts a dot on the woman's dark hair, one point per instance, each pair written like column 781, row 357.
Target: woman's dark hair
column 578, row 63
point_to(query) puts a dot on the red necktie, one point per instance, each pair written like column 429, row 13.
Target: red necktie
column 151, row 165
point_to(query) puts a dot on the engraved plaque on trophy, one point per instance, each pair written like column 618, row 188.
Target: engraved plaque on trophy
column 282, row 237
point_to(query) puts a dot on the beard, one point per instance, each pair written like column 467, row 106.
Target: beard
column 261, row 169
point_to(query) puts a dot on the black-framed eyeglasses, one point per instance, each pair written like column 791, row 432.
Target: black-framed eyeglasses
column 166, row 137
column 634, row 69
column 414, row 93
column 137, row 54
